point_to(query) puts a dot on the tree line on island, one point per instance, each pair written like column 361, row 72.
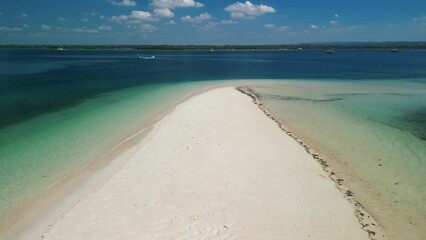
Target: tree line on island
column 277, row 47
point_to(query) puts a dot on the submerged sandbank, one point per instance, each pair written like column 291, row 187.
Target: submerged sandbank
column 370, row 133
column 216, row 167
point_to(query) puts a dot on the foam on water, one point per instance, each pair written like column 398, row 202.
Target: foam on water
column 372, row 133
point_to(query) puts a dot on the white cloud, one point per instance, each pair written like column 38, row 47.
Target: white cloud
column 212, row 25
column 94, row 14
column 8, row 29
column 62, row 19
column 84, row 19
column 85, row 30
column 127, row 3
column 141, row 16
column 419, row 19
column 336, row 15
column 24, row 25
column 172, row 22
column 282, row 28
column 147, row 27
column 227, row 22
column 119, row 19
column 1, row 13
column 237, row 15
column 102, row 17
column 45, row 27
column 135, row 17
column 105, row 28
column 170, row 4
column 23, row 15
column 164, row 12
column 334, row 22
column 269, row 26
column 197, row 19
column 248, row 10
column 313, row 26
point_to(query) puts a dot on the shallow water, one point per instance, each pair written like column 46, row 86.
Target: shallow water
column 55, row 105
column 38, row 153
column 372, row 134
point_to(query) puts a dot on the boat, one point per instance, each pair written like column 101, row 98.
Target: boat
column 61, row 48
column 394, row 50
column 145, row 57
column 330, row 51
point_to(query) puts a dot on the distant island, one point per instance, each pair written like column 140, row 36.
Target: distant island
column 275, row 47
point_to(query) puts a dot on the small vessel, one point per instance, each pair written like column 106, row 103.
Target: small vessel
column 61, row 48
column 394, row 50
column 145, row 57
column 330, row 51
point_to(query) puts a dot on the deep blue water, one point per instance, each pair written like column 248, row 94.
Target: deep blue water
column 34, row 82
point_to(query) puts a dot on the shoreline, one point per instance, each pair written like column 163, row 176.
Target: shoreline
column 126, row 150
column 81, row 181
column 367, row 222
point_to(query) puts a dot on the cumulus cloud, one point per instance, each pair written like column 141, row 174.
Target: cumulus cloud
column 62, row 19
column 164, row 12
column 45, row 27
column 84, row 19
column 334, row 22
column 127, row 3
column 212, row 25
column 102, row 17
column 170, row 4
column 197, row 19
column 105, row 28
column 172, row 22
column 8, row 29
column 313, row 26
column 136, row 17
column 141, row 16
column 269, row 26
column 147, row 27
column 23, row 15
column 119, row 19
column 336, row 15
column 248, row 10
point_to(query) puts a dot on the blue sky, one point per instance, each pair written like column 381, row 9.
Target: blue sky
column 209, row 21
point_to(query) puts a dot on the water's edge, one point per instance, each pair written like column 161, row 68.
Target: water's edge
column 367, row 222
column 88, row 177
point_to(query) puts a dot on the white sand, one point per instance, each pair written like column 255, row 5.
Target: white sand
column 215, row 168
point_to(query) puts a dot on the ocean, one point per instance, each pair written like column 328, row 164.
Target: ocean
column 364, row 111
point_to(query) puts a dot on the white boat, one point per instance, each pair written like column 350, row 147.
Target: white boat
column 394, row 50
column 61, row 48
column 145, row 57
column 330, row 51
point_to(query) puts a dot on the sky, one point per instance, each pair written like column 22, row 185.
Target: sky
column 210, row 21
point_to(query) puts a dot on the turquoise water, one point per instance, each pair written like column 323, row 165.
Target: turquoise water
column 373, row 136
column 62, row 111
column 39, row 152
